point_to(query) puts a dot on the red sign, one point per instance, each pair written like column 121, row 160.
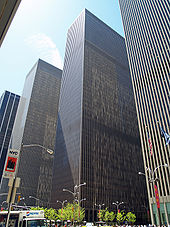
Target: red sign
column 11, row 164
column 157, row 196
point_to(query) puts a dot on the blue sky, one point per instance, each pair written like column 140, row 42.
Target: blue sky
column 39, row 30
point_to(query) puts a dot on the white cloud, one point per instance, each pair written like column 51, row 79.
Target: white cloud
column 45, row 48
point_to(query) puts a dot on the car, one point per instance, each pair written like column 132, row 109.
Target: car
column 89, row 224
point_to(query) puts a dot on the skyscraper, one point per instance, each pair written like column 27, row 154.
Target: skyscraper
column 35, row 125
column 8, row 10
column 97, row 138
column 8, row 108
column 146, row 26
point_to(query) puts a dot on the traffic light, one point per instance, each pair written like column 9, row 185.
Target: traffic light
column 19, row 197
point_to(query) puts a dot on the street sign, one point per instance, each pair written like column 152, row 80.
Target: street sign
column 12, row 189
column 11, row 163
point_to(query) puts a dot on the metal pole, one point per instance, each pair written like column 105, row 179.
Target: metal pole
column 152, row 180
column 74, row 195
column 158, row 209
column 14, row 180
column 10, row 203
column 75, row 189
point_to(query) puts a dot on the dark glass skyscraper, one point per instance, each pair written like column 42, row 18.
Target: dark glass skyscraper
column 97, row 139
column 146, row 26
column 8, row 108
column 36, row 124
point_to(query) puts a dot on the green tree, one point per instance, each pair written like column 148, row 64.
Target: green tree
column 79, row 213
column 101, row 214
column 130, row 218
column 106, row 216
column 112, row 216
column 50, row 214
column 120, row 217
column 72, row 211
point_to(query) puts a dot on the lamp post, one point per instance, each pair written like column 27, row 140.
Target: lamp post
column 74, row 193
column 79, row 202
column 152, row 179
column 2, row 204
column 100, row 207
column 37, row 199
column 49, row 151
column 38, row 145
column 20, row 199
column 62, row 205
column 117, row 204
column 147, row 211
column 23, row 201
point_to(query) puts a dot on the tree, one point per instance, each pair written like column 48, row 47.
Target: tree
column 50, row 214
column 130, row 217
column 120, row 217
column 101, row 214
column 112, row 216
column 71, row 212
column 79, row 213
column 105, row 215
column 108, row 216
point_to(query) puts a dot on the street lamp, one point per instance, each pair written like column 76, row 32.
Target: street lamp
column 21, row 200
column 74, row 193
column 147, row 212
column 32, row 197
column 100, row 206
column 62, row 204
column 3, row 203
column 117, row 205
column 49, row 151
column 152, row 179
column 38, row 145
column 79, row 202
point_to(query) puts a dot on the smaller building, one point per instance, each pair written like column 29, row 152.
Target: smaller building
column 8, row 108
column 36, row 125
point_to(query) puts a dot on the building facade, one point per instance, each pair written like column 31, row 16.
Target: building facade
column 146, row 26
column 97, row 138
column 35, row 126
column 8, row 10
column 8, row 108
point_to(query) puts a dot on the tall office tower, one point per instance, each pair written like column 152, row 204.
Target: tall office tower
column 8, row 10
column 146, row 26
column 35, row 125
column 8, row 108
column 97, row 138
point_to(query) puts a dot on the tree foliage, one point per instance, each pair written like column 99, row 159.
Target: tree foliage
column 130, row 217
column 50, row 214
column 120, row 217
column 106, row 216
column 71, row 212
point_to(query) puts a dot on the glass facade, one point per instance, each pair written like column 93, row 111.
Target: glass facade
column 146, row 26
column 97, row 138
column 8, row 108
column 36, row 124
